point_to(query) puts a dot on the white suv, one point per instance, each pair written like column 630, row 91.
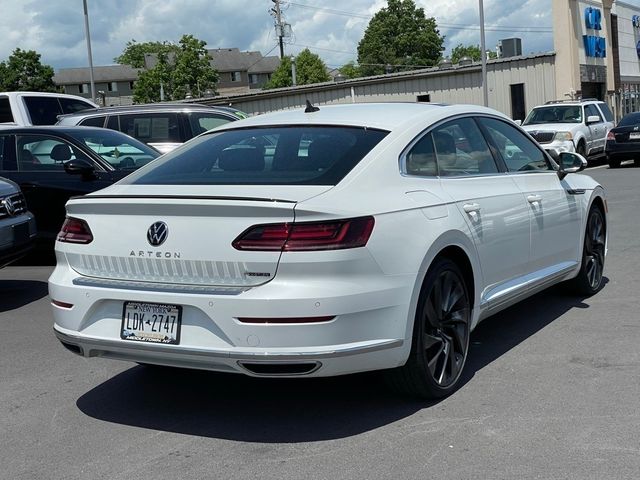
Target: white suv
column 571, row 126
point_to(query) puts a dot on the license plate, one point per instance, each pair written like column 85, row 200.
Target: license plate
column 21, row 233
column 634, row 135
column 151, row 322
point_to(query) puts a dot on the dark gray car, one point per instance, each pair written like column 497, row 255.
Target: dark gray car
column 164, row 126
column 17, row 224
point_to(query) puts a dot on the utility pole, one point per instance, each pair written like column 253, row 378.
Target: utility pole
column 279, row 27
column 86, row 30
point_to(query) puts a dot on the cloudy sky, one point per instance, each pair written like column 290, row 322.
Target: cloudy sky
column 330, row 28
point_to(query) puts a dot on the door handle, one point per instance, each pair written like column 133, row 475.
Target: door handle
column 471, row 207
column 534, row 198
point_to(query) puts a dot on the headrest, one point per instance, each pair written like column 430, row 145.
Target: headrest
column 61, row 152
column 241, row 159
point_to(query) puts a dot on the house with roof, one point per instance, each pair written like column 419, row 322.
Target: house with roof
column 242, row 72
column 113, row 83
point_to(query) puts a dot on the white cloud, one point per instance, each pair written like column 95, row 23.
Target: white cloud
column 332, row 28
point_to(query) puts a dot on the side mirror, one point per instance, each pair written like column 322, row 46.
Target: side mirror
column 81, row 167
column 593, row 119
column 518, row 122
column 570, row 163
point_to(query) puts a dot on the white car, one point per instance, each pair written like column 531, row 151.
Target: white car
column 325, row 242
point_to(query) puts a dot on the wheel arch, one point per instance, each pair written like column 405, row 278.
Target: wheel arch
column 459, row 248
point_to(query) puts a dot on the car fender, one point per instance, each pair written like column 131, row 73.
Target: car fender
column 451, row 238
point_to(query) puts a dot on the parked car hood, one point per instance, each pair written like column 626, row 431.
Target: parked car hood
column 551, row 127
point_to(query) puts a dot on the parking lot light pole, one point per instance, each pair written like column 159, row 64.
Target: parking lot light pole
column 86, row 31
column 483, row 56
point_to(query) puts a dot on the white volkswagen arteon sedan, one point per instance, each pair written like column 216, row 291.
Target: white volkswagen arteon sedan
column 326, row 241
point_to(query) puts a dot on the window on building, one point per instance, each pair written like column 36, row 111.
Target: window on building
column 132, row 84
column 424, row 98
column 253, row 78
column 236, row 76
column 83, row 87
column 112, row 86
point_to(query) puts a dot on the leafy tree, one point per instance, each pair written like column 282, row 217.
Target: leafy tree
column 471, row 51
column 281, row 77
column 193, row 70
column 134, row 52
column 23, row 71
column 399, row 34
column 460, row 51
column 350, row 70
column 309, row 69
column 178, row 69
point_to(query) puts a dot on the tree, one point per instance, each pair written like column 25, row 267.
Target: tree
column 23, row 71
column 471, row 51
column 193, row 70
column 309, row 69
column 350, row 70
column 178, row 69
column 399, row 34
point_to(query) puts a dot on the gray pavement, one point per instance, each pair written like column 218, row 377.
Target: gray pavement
column 551, row 392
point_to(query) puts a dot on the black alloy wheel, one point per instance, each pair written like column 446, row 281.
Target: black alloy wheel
column 441, row 334
column 589, row 280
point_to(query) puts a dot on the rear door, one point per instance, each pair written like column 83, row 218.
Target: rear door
column 490, row 202
column 597, row 129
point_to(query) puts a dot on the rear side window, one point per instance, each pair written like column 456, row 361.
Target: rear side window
column 93, row 122
column 43, row 110
column 201, row 122
column 72, row 105
column 461, row 149
column 606, row 111
column 152, row 127
column 295, row 155
column 5, row 110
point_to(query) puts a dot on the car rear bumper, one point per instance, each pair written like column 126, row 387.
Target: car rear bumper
column 622, row 151
column 368, row 329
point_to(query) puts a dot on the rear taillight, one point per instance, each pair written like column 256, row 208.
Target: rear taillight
column 75, row 230
column 288, row 237
column 611, row 136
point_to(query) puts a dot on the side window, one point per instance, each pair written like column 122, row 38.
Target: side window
column 591, row 110
column 41, row 152
column 5, row 110
column 606, row 111
column 421, row 159
column 7, row 153
column 43, row 110
column 71, row 105
column 201, row 122
column 93, row 122
column 113, row 123
column 151, row 127
column 518, row 152
column 462, row 150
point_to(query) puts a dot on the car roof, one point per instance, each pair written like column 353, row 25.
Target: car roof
column 173, row 107
column 53, row 129
column 385, row 116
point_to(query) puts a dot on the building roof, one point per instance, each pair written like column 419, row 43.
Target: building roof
column 109, row 73
column 232, row 60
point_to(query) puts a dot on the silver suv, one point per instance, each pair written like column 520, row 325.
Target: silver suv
column 163, row 126
column 571, row 126
column 17, row 225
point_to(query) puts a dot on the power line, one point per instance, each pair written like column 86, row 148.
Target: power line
column 452, row 26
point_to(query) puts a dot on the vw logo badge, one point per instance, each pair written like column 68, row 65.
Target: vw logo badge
column 9, row 206
column 157, row 233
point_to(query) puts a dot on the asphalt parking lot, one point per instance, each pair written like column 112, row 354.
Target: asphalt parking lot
column 551, row 391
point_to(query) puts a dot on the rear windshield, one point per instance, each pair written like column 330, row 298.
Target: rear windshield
column 292, row 155
column 631, row 119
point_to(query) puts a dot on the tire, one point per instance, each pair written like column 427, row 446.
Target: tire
column 441, row 331
column 581, row 149
column 636, row 162
column 614, row 163
column 589, row 279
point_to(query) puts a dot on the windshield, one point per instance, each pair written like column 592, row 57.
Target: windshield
column 121, row 151
column 292, row 155
column 554, row 114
